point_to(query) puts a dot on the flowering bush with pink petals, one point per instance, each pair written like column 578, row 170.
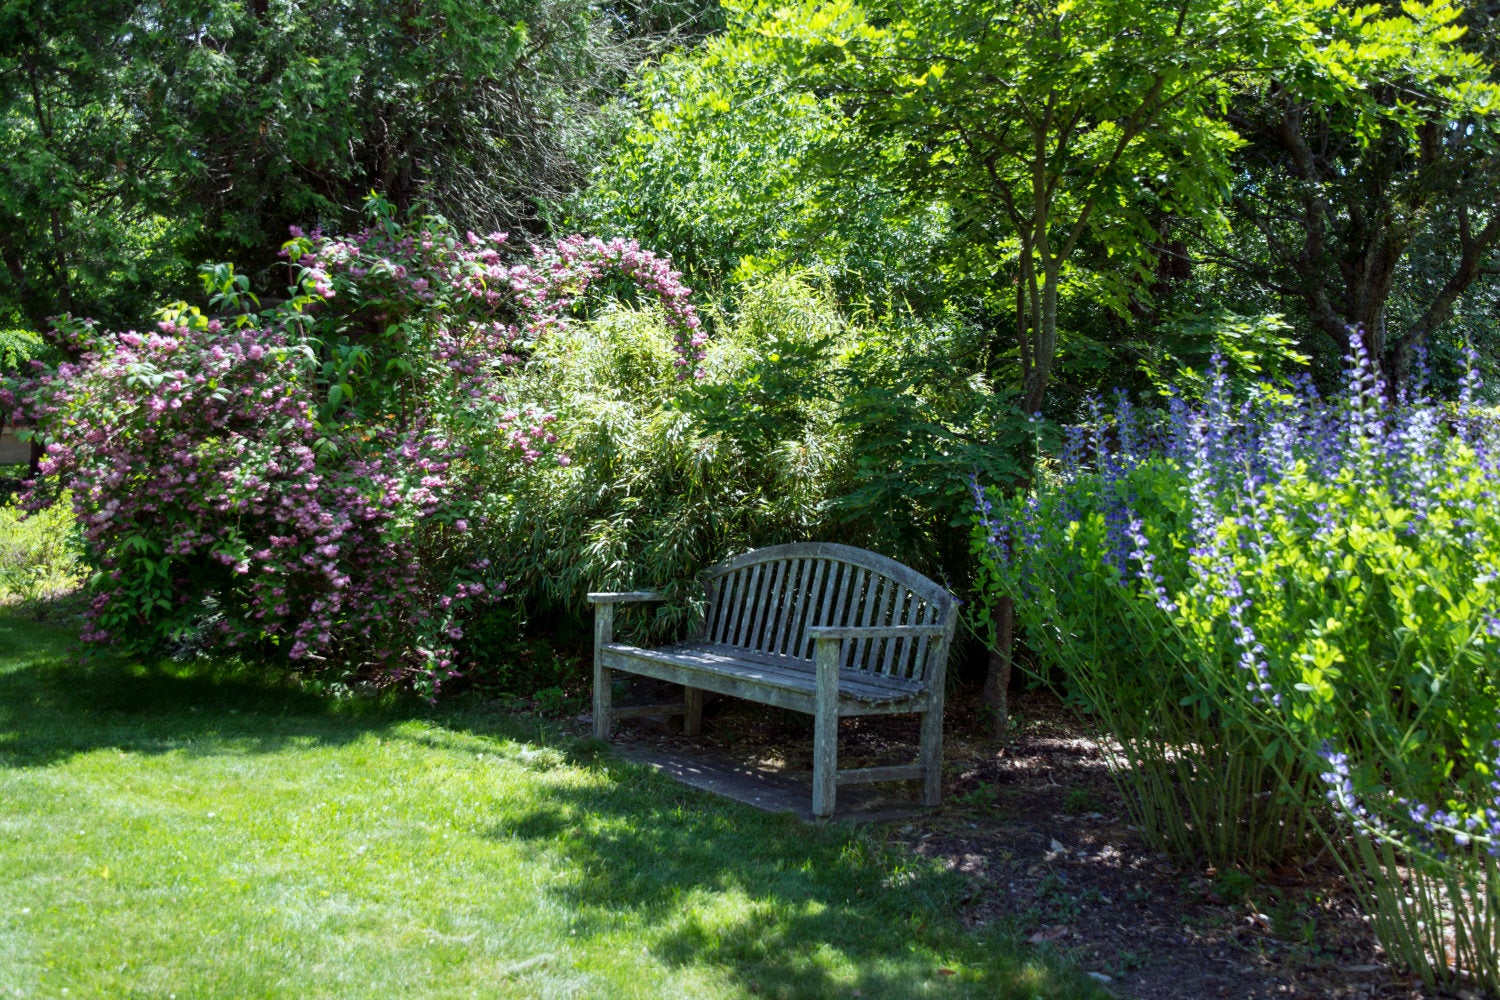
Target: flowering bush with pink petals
column 300, row 481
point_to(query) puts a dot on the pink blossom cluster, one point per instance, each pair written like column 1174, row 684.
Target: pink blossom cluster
column 305, row 483
column 579, row 261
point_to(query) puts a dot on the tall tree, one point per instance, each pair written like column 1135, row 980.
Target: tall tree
column 75, row 180
column 1063, row 134
column 718, row 168
column 1042, row 125
column 1338, row 189
column 207, row 128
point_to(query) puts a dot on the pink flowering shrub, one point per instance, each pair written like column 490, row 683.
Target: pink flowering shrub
column 299, row 482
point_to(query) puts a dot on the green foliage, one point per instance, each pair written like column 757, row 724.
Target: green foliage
column 721, row 166
column 923, row 419
column 1185, row 348
column 653, row 494
column 1193, row 767
column 1039, row 126
column 139, row 138
column 40, row 554
column 1281, row 605
column 807, row 425
column 300, row 482
column 1393, row 181
column 17, row 348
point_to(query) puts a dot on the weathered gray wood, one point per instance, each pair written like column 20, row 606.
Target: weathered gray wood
column 826, row 728
column 899, row 772
column 806, row 606
column 836, row 570
column 729, row 596
column 765, row 669
column 845, row 607
column 931, row 755
column 604, row 631
column 765, row 614
column 795, row 601
column 745, row 607
column 789, row 689
column 703, row 631
column 819, row 628
column 918, row 662
column 873, row 631
column 627, row 596
column 846, row 554
column 858, row 648
column 898, row 617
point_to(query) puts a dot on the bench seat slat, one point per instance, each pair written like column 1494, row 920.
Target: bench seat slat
column 777, row 672
column 861, row 680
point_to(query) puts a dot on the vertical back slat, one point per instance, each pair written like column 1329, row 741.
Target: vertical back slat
column 850, row 587
column 917, row 667
column 847, row 611
column 878, row 589
column 766, row 621
column 716, row 618
column 836, row 573
column 762, row 592
column 719, row 609
column 795, row 584
column 746, row 602
column 731, row 600
column 806, row 606
column 893, row 646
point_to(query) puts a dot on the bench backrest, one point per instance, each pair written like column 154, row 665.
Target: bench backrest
column 763, row 602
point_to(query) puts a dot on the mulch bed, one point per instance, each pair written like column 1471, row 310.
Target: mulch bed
column 1042, row 834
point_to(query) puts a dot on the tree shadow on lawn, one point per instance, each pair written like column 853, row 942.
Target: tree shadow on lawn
column 786, row 908
column 55, row 705
column 779, row 907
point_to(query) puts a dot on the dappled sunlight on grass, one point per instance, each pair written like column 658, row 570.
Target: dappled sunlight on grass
column 212, row 833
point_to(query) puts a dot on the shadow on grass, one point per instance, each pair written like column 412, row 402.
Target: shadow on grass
column 55, row 704
column 817, row 911
column 778, row 907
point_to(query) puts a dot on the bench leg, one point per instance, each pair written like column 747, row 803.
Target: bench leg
column 932, row 757
column 692, row 720
column 826, row 729
column 602, row 700
column 604, row 628
column 825, row 762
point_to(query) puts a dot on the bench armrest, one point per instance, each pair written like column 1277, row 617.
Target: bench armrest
column 841, row 632
column 629, row 596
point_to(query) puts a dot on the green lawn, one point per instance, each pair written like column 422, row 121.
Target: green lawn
column 173, row 831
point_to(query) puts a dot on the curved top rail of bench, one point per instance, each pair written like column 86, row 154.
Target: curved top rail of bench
column 873, row 561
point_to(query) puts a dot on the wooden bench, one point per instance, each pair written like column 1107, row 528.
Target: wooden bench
column 825, row 629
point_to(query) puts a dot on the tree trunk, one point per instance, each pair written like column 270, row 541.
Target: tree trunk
column 997, row 677
column 1045, row 334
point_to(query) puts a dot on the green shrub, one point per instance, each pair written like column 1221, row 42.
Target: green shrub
column 39, row 554
column 807, row 426
column 1287, row 612
column 654, row 491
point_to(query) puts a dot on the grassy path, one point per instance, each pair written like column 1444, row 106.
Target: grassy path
column 173, row 831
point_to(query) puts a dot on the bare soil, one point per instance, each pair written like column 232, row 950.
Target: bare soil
column 1041, row 832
